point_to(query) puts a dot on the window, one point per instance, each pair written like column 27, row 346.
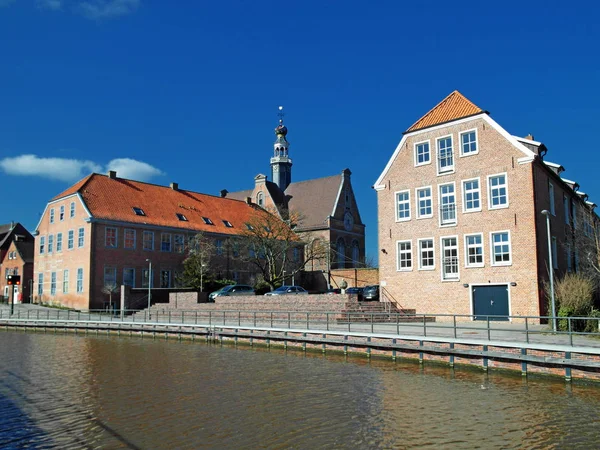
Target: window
column 53, row 283
column 59, row 242
column 551, row 197
column 588, row 229
column 165, row 278
column 574, row 213
column 445, row 155
column 501, row 248
column 566, row 209
column 236, row 248
column 51, row 215
column 402, row 206
column 422, row 154
column 181, row 217
column 555, row 254
column 426, row 254
column 148, row 243
column 50, row 243
column 219, row 247
column 449, row 258
column 424, row 203
column 249, row 226
column 65, row 281
column 468, row 143
column 40, row 287
column 110, row 237
column 80, row 240
column 70, row 240
column 296, row 254
column 227, row 224
column 145, row 278
column 207, row 221
column 165, row 242
column 474, row 250
column 178, row 244
column 61, row 215
column 260, row 199
column 569, row 257
column 447, row 204
column 138, row 211
column 42, row 244
column 497, row 191
column 404, row 256
column 72, row 210
column 110, row 276
column 129, row 238
column 79, row 281
column 471, row 195
column 129, row 277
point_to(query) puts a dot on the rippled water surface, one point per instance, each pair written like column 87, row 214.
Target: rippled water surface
column 65, row 391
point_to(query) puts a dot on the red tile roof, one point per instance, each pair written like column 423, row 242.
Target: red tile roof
column 114, row 199
column 454, row 106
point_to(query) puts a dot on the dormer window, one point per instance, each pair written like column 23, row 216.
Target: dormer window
column 227, row 223
column 138, row 211
column 181, row 217
column 250, row 227
column 207, row 221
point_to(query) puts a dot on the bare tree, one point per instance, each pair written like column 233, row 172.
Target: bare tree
column 196, row 267
column 585, row 236
column 110, row 289
column 271, row 245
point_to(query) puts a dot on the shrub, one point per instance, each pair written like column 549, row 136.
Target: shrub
column 261, row 288
column 593, row 325
column 574, row 292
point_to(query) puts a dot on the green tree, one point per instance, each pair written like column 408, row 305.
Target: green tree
column 196, row 266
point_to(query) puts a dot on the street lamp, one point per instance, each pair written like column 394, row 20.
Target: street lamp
column 202, row 266
column 149, row 284
column 547, row 214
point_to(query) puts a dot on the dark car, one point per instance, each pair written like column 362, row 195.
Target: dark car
column 232, row 289
column 288, row 290
column 358, row 291
column 371, row 293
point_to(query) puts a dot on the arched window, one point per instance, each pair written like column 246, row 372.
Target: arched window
column 260, row 199
column 341, row 253
column 355, row 254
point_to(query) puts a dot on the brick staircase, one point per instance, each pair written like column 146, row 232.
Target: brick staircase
column 379, row 312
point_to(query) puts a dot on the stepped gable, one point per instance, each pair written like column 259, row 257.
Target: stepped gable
column 455, row 106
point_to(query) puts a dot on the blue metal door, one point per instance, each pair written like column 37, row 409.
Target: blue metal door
column 490, row 301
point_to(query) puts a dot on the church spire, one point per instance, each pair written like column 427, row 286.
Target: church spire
column 281, row 164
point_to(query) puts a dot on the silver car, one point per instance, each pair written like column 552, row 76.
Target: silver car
column 232, row 289
column 288, row 290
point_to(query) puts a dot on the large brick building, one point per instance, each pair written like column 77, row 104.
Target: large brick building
column 461, row 228
column 326, row 206
column 105, row 230
column 16, row 258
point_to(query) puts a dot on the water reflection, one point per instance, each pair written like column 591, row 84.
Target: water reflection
column 90, row 392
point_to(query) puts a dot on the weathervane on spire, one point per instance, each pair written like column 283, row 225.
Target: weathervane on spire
column 281, row 114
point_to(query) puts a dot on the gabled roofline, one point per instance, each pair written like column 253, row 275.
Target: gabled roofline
column 528, row 155
column 528, row 141
column 76, row 194
column 429, row 127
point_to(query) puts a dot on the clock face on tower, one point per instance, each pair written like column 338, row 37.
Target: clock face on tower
column 348, row 221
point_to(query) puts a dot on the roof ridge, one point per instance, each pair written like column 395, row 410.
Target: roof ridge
column 446, row 112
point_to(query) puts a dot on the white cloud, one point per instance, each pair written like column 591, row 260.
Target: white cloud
column 53, row 5
column 5, row 2
column 69, row 170
column 106, row 9
column 132, row 169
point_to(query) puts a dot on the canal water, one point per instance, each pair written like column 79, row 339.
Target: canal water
column 72, row 392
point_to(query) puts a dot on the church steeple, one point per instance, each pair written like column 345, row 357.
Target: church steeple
column 281, row 164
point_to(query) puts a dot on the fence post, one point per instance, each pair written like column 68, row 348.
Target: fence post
column 526, row 330
column 254, row 316
column 289, row 320
column 327, row 319
column 488, row 327
column 307, row 326
column 454, row 321
column 372, row 322
column 570, row 332
column 424, row 326
column 271, row 319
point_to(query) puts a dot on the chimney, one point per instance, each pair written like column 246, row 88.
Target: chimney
column 112, row 174
column 175, row 186
column 224, row 193
column 249, row 200
column 12, row 225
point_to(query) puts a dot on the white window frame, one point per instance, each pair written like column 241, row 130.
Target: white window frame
column 59, row 242
column 72, row 210
column 467, row 247
column 407, row 202
column 70, row 239
column 51, row 215
column 50, row 248
column 489, row 190
column 416, row 155
column 65, row 287
column 464, row 195
column 408, row 252
column 448, row 169
column 460, row 140
column 442, row 248
column 440, row 199
column 420, row 251
column 551, row 198
column 53, row 282
column 61, row 213
column 81, row 237
column 40, row 286
column 42, row 245
column 79, row 287
column 493, row 252
column 418, row 202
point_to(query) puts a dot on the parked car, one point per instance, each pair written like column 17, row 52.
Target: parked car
column 371, row 293
column 232, row 289
column 333, row 291
column 358, row 291
column 288, row 290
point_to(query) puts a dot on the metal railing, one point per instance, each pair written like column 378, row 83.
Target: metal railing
column 573, row 331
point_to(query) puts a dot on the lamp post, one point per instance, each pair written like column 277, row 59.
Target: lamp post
column 149, row 284
column 552, row 301
column 202, row 265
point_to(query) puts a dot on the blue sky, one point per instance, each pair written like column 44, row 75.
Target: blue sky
column 188, row 91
